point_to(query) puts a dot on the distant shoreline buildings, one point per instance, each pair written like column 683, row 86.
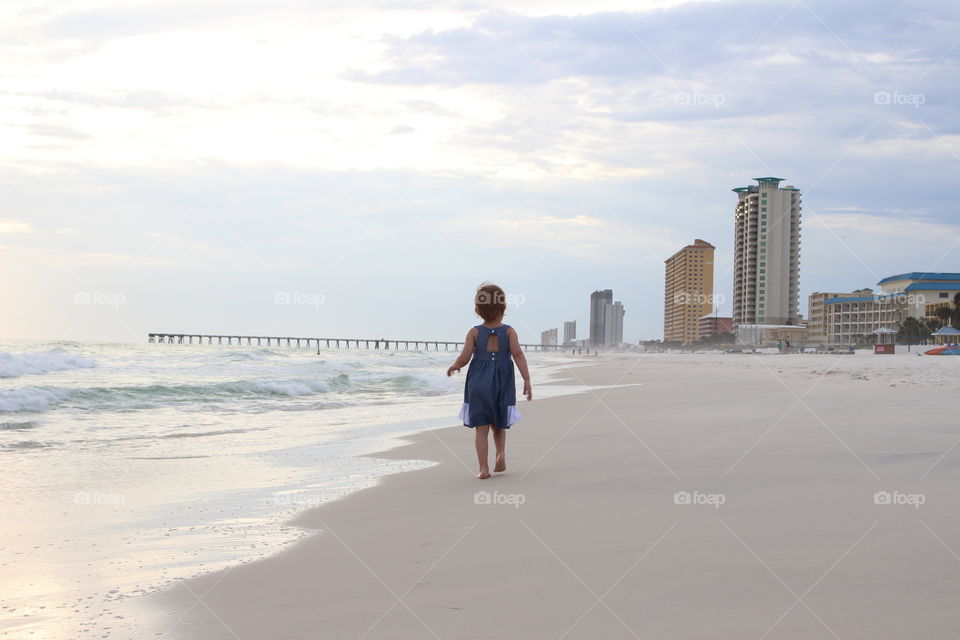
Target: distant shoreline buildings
column 766, row 285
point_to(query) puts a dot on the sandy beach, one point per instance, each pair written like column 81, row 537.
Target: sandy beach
column 699, row 496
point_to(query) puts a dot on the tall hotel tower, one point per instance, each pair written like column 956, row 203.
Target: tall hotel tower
column 598, row 301
column 766, row 268
column 687, row 291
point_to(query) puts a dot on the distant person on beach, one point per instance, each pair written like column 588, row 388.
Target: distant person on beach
column 489, row 394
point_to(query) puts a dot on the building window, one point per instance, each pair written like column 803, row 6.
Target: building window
column 763, row 208
column 763, row 270
column 944, row 294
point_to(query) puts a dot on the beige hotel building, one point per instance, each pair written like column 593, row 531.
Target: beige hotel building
column 688, row 291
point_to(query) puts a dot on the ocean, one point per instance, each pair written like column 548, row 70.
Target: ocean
column 128, row 466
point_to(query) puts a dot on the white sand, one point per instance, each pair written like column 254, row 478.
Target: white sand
column 795, row 447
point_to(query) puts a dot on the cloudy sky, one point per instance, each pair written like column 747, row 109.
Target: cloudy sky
column 295, row 167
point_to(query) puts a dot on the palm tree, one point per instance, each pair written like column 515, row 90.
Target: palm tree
column 945, row 313
column 912, row 331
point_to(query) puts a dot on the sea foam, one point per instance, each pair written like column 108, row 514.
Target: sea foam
column 13, row 365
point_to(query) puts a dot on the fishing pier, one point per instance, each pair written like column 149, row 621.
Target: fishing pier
column 325, row 343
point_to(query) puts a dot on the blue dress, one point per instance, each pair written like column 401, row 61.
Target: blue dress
column 490, row 393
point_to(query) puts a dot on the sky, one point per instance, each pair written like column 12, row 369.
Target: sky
column 356, row 169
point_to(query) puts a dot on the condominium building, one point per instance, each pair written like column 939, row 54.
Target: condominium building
column 569, row 331
column 613, row 324
column 922, row 288
column 548, row 338
column 598, row 300
column 851, row 319
column 816, row 313
column 766, row 275
column 687, row 291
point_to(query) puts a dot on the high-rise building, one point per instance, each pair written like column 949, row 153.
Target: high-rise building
column 569, row 331
column 766, row 268
column 548, row 338
column 687, row 291
column 613, row 324
column 598, row 299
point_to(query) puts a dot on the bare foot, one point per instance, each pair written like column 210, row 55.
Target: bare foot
column 501, row 464
column 484, row 473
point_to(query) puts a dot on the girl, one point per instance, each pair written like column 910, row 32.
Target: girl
column 489, row 395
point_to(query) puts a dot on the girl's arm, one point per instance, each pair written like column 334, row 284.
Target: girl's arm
column 469, row 346
column 521, row 361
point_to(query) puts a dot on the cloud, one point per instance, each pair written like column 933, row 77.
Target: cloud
column 906, row 226
column 588, row 237
column 697, row 40
column 146, row 100
column 14, row 226
column 56, row 131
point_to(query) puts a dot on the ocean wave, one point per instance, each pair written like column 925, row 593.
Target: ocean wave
column 13, row 365
column 338, row 389
column 26, row 444
column 31, row 399
column 130, row 398
column 202, row 434
column 420, row 384
column 251, row 354
column 275, row 387
column 17, row 426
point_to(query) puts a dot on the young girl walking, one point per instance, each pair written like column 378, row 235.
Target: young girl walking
column 489, row 394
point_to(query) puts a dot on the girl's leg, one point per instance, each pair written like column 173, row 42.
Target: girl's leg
column 500, row 443
column 481, row 442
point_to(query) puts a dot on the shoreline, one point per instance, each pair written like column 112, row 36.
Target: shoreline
column 595, row 497
column 140, row 501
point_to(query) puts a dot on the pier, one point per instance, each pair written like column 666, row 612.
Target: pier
column 322, row 343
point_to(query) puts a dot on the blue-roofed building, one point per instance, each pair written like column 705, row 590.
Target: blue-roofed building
column 922, row 289
column 847, row 319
